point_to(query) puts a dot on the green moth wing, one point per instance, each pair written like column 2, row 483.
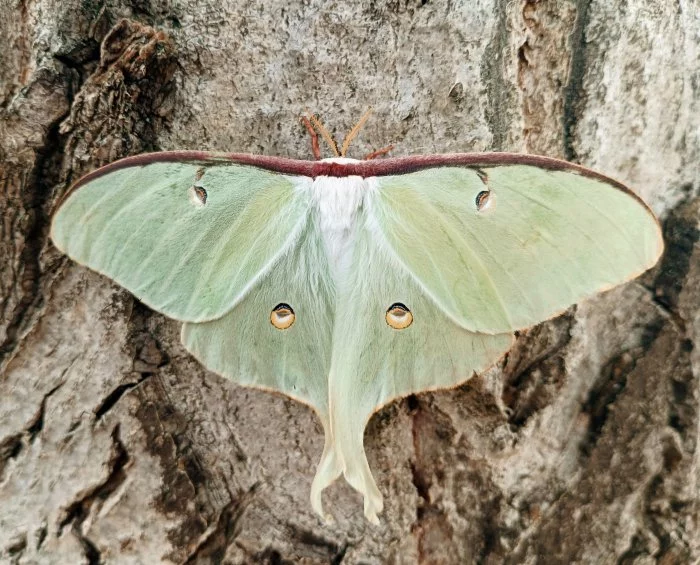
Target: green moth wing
column 504, row 247
column 188, row 239
column 373, row 363
column 246, row 347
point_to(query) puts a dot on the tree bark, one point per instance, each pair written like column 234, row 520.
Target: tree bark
column 117, row 447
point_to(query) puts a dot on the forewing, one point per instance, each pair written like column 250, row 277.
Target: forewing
column 545, row 240
column 373, row 363
column 189, row 255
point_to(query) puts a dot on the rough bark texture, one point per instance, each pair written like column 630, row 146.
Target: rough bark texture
column 117, row 447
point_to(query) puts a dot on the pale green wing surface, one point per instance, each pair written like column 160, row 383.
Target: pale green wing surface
column 244, row 346
column 372, row 363
column 188, row 253
column 543, row 239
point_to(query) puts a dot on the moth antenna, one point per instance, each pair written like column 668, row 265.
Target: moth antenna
column 378, row 153
column 315, row 149
column 353, row 132
column 324, row 134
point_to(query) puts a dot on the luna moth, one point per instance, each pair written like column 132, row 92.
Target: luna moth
column 346, row 283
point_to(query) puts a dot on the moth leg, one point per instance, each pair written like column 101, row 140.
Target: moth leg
column 378, row 153
column 315, row 149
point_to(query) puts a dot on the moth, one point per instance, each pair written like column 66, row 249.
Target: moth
column 347, row 283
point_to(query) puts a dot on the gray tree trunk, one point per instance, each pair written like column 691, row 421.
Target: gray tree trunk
column 117, row 447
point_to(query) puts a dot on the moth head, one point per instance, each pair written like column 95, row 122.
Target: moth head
column 282, row 316
column 398, row 316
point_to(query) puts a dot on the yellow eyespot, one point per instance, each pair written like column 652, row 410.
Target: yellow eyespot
column 398, row 316
column 282, row 316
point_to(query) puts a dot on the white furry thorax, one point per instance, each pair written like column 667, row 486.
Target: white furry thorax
column 337, row 201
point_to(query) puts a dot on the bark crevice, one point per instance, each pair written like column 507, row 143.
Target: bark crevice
column 96, row 497
column 574, row 92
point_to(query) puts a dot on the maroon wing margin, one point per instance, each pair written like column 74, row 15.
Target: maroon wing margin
column 373, row 168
